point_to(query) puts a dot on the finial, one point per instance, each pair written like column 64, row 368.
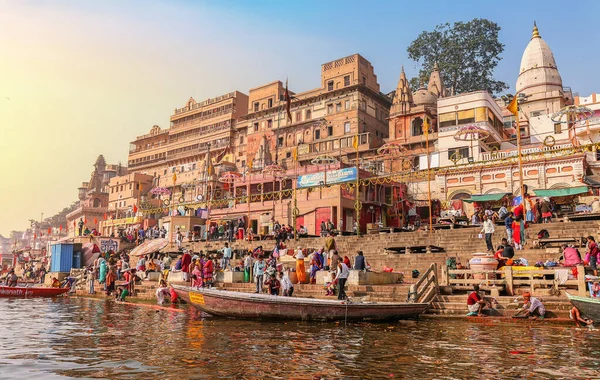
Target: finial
column 536, row 32
column 435, row 66
column 402, row 69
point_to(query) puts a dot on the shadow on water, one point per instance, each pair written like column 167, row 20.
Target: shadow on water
column 83, row 338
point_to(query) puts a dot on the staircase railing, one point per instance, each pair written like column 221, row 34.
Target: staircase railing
column 426, row 288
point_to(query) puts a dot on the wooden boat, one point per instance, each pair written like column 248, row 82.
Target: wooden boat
column 229, row 304
column 588, row 306
column 29, row 292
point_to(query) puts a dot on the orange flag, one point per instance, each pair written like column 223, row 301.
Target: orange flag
column 60, row 228
column 135, row 209
column 513, row 106
column 95, row 221
column 84, row 220
column 105, row 216
column 49, row 230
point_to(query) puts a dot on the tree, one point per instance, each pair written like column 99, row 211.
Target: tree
column 466, row 54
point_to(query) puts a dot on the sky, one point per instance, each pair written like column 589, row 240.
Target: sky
column 82, row 78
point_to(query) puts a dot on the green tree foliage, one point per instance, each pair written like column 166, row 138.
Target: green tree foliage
column 466, row 52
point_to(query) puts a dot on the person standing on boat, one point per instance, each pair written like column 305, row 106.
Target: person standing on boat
column 300, row 270
column 186, row 260
column 11, row 279
column 259, row 272
column 42, row 274
column 342, row 276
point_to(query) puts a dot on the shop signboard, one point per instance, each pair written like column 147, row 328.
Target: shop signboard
column 332, row 177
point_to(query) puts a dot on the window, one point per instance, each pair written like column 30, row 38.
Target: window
column 458, row 153
column 417, row 127
column 298, row 116
column 364, row 80
column 330, row 85
column 466, row 116
column 537, row 113
column 288, row 154
column 447, row 119
column 308, row 114
column 280, row 141
column 329, row 108
column 481, row 114
column 269, row 123
column 255, row 127
column 256, row 106
column 194, row 166
column 557, row 128
column 241, row 139
column 243, row 163
column 317, row 134
column 347, row 80
column 347, row 127
column 330, row 130
column 347, row 105
column 165, row 172
column 338, row 107
column 137, row 186
column 270, row 102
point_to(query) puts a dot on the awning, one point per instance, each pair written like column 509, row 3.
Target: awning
column 485, row 198
column 592, row 180
column 565, row 191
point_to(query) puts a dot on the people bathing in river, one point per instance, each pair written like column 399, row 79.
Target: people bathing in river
column 286, row 285
column 476, row 303
column 576, row 316
column 532, row 307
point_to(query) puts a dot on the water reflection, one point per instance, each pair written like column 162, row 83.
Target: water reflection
column 81, row 338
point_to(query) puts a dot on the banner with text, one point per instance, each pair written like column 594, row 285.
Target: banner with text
column 329, row 178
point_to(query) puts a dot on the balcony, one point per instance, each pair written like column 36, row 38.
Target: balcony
column 138, row 165
column 545, row 150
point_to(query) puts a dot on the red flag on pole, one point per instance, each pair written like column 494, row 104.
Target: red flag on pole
column 95, row 221
column 288, row 102
column 105, row 216
column 84, row 220
column 49, row 230
column 135, row 209
column 60, row 228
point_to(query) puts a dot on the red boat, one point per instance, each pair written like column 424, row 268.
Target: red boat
column 263, row 306
column 29, row 292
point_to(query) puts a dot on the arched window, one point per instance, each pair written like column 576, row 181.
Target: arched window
column 417, row 126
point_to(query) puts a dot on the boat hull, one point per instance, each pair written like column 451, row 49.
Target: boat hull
column 262, row 306
column 589, row 307
column 24, row 292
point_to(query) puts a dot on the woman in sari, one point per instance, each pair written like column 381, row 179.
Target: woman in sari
column 300, row 271
column 103, row 270
column 208, row 273
column 110, row 280
column 314, row 267
column 516, row 228
column 196, row 276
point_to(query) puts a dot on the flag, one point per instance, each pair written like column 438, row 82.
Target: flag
column 105, row 216
column 513, row 106
column 135, row 209
column 355, row 142
column 426, row 126
column 74, row 225
column 95, row 220
column 49, row 230
column 174, row 178
column 34, row 236
column 250, row 164
column 295, row 154
column 210, row 167
column 84, row 220
column 60, row 228
column 288, row 102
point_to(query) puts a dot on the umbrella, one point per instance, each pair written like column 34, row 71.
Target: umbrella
column 160, row 191
column 229, row 177
column 149, row 246
column 273, row 169
column 471, row 133
column 323, row 159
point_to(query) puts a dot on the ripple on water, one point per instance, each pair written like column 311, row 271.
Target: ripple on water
column 80, row 338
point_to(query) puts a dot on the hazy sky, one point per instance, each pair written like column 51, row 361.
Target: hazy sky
column 83, row 78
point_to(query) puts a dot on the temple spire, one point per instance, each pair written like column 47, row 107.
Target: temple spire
column 403, row 98
column 536, row 32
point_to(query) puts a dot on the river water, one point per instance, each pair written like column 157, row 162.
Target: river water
column 85, row 338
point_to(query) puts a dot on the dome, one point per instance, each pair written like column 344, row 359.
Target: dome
column 538, row 67
column 424, row 97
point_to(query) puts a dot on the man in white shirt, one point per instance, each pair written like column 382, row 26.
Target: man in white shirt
column 488, row 229
column 286, row 285
column 227, row 255
column 342, row 276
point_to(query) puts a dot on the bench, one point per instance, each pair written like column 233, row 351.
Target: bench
column 548, row 241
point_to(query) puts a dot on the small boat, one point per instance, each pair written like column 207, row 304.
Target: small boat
column 29, row 292
column 588, row 306
column 223, row 303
